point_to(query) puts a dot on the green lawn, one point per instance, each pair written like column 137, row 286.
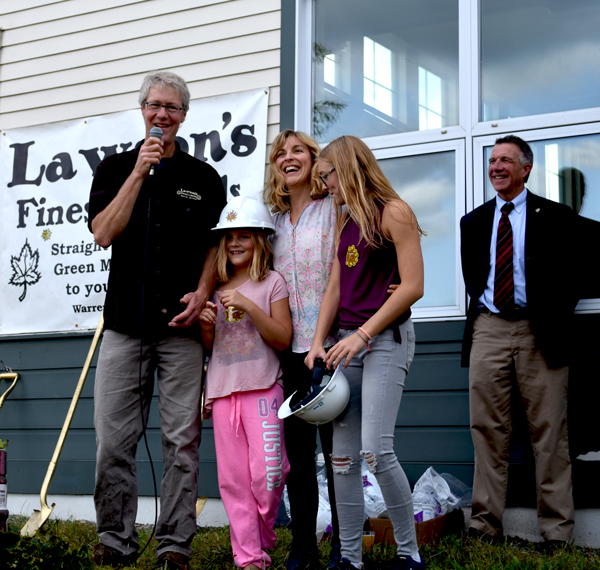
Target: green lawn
column 67, row 544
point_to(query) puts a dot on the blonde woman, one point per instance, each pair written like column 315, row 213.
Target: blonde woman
column 304, row 218
column 378, row 244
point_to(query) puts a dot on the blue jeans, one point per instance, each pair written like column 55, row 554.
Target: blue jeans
column 366, row 429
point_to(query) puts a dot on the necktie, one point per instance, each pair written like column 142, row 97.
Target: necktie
column 504, row 285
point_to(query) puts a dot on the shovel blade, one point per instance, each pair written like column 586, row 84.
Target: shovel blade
column 38, row 518
column 200, row 505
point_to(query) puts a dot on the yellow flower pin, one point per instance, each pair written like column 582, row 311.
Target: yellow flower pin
column 233, row 315
column 351, row 256
column 231, row 216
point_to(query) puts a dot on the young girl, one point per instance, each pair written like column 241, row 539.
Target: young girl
column 378, row 244
column 247, row 318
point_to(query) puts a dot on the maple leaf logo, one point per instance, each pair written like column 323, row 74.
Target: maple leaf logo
column 25, row 269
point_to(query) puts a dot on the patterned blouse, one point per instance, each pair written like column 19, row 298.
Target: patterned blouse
column 304, row 255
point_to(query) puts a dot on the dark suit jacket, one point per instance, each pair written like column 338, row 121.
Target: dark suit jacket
column 552, row 269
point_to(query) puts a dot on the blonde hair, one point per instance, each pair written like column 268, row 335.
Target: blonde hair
column 261, row 263
column 276, row 195
column 364, row 188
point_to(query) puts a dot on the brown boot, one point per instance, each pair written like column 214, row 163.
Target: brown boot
column 103, row 555
column 172, row 561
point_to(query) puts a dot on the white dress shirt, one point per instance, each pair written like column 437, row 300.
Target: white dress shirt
column 518, row 219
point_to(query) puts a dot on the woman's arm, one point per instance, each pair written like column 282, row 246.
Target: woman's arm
column 401, row 226
column 327, row 315
column 275, row 329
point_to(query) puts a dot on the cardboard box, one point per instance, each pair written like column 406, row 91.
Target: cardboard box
column 428, row 532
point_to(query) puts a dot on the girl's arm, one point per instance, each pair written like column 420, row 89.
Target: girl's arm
column 327, row 315
column 402, row 228
column 275, row 329
column 207, row 320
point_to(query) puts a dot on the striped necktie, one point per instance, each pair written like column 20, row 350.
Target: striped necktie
column 504, row 285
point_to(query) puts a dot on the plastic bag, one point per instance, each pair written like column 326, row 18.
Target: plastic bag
column 432, row 496
column 323, row 517
column 374, row 503
column 460, row 489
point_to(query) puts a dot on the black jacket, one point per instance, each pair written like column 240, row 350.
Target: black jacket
column 552, row 271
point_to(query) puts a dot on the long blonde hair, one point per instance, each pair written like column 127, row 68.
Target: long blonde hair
column 276, row 195
column 262, row 259
column 364, row 188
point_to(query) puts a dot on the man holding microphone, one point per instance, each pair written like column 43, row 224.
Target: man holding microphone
column 155, row 205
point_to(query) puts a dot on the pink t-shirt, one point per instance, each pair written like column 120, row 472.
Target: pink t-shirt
column 242, row 360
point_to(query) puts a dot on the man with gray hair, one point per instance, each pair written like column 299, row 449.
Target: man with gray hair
column 155, row 205
column 519, row 261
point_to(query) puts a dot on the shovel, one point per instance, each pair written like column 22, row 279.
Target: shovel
column 8, row 375
column 38, row 518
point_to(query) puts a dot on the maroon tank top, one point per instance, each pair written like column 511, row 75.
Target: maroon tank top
column 365, row 275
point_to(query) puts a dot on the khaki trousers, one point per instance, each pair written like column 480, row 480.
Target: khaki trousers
column 504, row 354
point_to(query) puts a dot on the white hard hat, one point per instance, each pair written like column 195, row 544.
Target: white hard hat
column 327, row 404
column 245, row 212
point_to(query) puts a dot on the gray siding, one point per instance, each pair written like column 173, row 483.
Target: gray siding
column 432, row 426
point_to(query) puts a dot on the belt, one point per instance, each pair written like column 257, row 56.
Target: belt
column 515, row 314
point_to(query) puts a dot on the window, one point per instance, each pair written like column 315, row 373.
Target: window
column 391, row 73
column 428, row 182
column 566, row 168
column 378, row 76
column 430, row 100
column 380, row 51
column 539, row 57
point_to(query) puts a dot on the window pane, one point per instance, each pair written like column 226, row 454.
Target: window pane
column 428, row 184
column 392, row 61
column 565, row 170
column 539, row 57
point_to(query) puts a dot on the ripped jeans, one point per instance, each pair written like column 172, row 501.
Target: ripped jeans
column 366, row 429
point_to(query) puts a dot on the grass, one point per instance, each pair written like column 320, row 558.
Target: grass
column 212, row 550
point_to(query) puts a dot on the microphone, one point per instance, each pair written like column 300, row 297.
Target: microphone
column 158, row 134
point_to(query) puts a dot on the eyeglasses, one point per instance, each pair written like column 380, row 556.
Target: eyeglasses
column 325, row 176
column 156, row 107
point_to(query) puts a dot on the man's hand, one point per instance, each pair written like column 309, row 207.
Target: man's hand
column 150, row 154
column 195, row 303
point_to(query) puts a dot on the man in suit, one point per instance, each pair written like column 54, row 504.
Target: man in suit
column 519, row 264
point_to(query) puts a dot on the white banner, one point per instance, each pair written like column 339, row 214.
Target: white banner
column 52, row 274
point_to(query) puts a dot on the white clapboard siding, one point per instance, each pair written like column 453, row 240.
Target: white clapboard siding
column 47, row 38
column 73, row 59
column 212, row 53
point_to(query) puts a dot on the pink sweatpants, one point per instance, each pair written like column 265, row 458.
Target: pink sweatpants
column 252, row 467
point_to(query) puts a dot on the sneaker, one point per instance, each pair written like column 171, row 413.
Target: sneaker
column 103, row 555
column 345, row 564
column 334, row 556
column 302, row 557
column 171, row 560
column 405, row 562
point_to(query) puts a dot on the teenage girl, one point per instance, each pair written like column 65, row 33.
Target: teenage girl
column 247, row 319
column 378, row 244
column 304, row 245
